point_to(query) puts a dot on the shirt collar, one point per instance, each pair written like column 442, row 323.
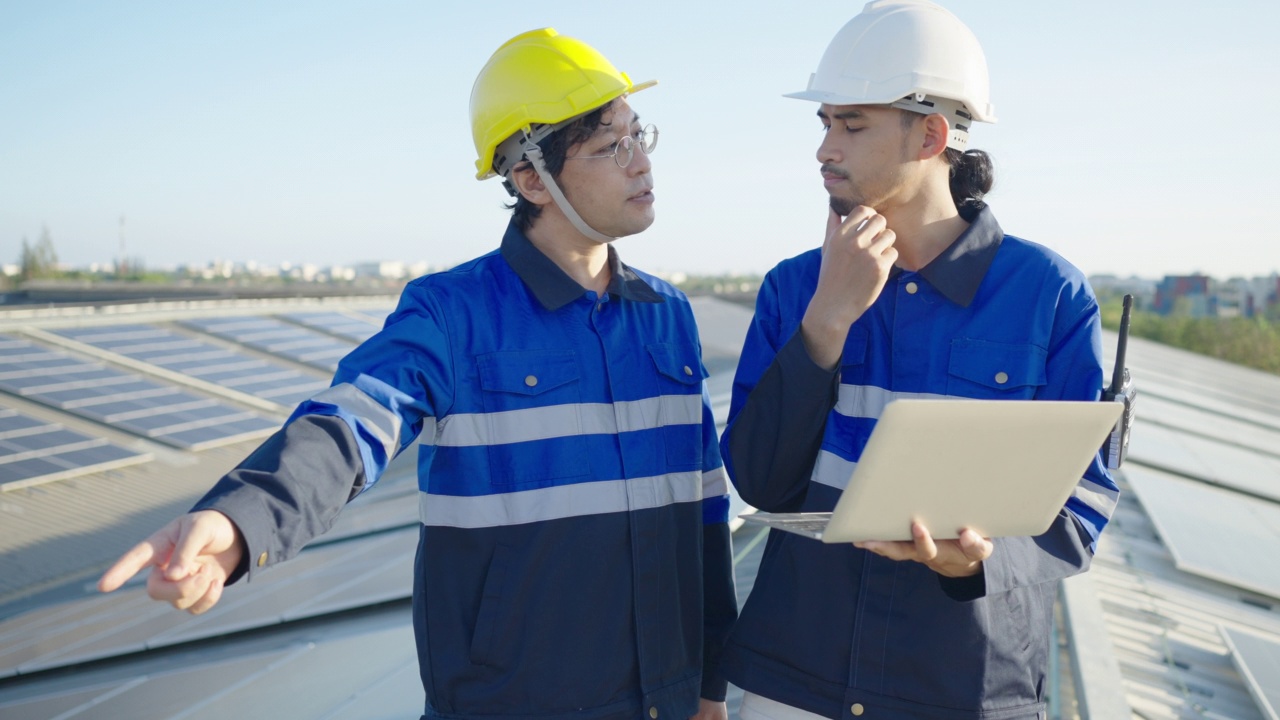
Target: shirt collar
column 553, row 287
column 959, row 270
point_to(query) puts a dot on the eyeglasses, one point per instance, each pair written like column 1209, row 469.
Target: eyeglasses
column 625, row 149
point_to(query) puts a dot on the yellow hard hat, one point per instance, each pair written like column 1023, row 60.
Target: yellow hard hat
column 539, row 77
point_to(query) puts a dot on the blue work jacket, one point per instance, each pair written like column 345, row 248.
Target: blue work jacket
column 842, row 632
column 573, row 560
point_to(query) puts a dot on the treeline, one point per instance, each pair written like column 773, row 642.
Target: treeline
column 1252, row 342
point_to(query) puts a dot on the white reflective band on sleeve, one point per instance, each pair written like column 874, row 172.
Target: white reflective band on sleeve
column 1099, row 498
column 553, row 503
column 832, row 470
column 553, row 421
column 374, row 417
column 715, row 483
column 869, row 401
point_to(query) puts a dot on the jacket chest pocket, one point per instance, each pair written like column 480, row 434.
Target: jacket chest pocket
column 982, row 369
column 532, row 423
column 679, row 403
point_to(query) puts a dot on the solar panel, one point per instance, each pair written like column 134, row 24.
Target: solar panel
column 1211, row 425
column 201, row 359
column 296, row 672
column 1258, row 660
column 34, row 450
column 1205, row 458
column 349, row 325
column 1211, row 531
column 124, row 400
column 278, row 338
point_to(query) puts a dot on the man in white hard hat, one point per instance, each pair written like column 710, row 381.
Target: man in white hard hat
column 573, row 558
column 915, row 292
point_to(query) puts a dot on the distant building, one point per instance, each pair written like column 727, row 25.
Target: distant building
column 1184, row 295
column 392, row 269
column 1202, row 296
column 341, row 273
column 1266, row 294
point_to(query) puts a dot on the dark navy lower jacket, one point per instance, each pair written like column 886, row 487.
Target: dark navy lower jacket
column 574, row 559
column 842, row 632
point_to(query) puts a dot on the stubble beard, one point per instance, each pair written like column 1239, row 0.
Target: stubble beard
column 842, row 206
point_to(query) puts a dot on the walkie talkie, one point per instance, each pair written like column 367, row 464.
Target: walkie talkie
column 1121, row 390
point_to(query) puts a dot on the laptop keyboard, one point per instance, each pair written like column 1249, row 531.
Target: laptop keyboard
column 816, row 525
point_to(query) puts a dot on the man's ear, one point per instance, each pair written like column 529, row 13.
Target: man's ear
column 530, row 186
column 936, row 132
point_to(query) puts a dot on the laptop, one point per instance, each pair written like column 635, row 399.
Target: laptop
column 1001, row 467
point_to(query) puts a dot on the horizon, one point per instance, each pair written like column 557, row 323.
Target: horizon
column 308, row 130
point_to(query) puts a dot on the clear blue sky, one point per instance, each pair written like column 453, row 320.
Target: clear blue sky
column 1135, row 137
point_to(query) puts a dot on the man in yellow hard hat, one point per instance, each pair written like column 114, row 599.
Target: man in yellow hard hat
column 573, row 559
column 915, row 292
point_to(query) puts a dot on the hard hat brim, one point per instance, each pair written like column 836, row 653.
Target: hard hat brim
column 984, row 114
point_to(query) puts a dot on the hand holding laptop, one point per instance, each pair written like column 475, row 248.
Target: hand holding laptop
column 956, row 558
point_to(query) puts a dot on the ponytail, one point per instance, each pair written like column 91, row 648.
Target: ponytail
column 972, row 176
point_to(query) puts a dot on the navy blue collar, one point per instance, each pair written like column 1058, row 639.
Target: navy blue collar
column 553, row 287
column 959, row 270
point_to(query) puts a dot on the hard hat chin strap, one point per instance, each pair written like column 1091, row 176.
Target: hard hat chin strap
column 534, row 154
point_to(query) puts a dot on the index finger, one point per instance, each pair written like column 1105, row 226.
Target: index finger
column 131, row 563
column 833, row 226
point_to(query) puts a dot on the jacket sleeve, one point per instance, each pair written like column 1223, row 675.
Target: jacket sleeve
column 1074, row 372
column 719, row 596
column 778, row 412
column 339, row 442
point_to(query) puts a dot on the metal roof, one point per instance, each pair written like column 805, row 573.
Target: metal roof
column 1171, row 621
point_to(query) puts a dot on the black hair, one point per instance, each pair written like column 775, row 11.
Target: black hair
column 555, row 148
column 972, row 175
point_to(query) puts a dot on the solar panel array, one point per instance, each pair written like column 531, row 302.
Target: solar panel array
column 350, row 325
column 377, row 315
column 278, row 337
column 124, row 400
column 1200, row 491
column 31, row 448
column 202, row 359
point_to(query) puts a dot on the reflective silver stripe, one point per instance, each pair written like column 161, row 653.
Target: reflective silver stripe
column 1099, row 498
column 383, row 423
column 552, row 421
column 869, row 401
column 553, row 503
column 715, row 483
column 832, row 470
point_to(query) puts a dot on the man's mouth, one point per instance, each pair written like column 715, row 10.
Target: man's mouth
column 832, row 175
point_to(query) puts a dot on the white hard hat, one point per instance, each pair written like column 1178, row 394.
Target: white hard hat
column 906, row 53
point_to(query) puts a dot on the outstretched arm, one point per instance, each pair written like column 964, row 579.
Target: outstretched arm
column 292, row 487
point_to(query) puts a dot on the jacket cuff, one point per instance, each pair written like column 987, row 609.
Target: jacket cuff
column 714, row 688
column 965, row 589
column 802, row 372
